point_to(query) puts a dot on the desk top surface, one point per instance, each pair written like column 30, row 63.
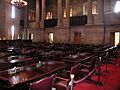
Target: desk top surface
column 32, row 72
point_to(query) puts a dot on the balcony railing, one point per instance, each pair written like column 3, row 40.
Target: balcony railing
column 50, row 22
column 74, row 21
column 78, row 20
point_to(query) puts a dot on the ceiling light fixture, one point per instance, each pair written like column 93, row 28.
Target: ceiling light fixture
column 19, row 3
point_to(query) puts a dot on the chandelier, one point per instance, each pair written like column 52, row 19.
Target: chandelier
column 19, row 3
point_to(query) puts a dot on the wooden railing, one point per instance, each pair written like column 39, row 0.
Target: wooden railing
column 50, row 22
column 74, row 21
column 78, row 20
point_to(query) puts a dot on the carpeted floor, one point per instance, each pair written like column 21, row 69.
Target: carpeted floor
column 110, row 80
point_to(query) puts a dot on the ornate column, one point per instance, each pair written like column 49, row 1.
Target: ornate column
column 26, row 17
column 67, row 12
column 26, row 22
column 43, row 13
column 59, row 13
column 37, row 19
column 101, row 11
column 90, row 16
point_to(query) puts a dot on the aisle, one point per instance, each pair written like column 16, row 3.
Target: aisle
column 111, row 80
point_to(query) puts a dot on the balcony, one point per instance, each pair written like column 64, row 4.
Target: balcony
column 74, row 21
column 50, row 23
column 78, row 20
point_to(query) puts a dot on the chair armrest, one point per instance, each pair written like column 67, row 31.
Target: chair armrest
column 64, row 79
column 67, row 71
column 84, row 65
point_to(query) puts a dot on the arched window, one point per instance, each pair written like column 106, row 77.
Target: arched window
column 94, row 7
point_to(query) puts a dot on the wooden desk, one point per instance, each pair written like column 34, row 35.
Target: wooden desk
column 77, row 58
column 17, row 60
column 31, row 73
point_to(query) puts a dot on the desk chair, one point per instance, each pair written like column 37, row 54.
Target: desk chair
column 43, row 84
column 63, row 78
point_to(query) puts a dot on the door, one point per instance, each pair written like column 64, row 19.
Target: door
column 31, row 36
column 50, row 37
column 117, row 38
column 114, row 38
column 77, row 37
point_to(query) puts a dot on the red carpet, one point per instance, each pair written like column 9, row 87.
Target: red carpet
column 111, row 80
